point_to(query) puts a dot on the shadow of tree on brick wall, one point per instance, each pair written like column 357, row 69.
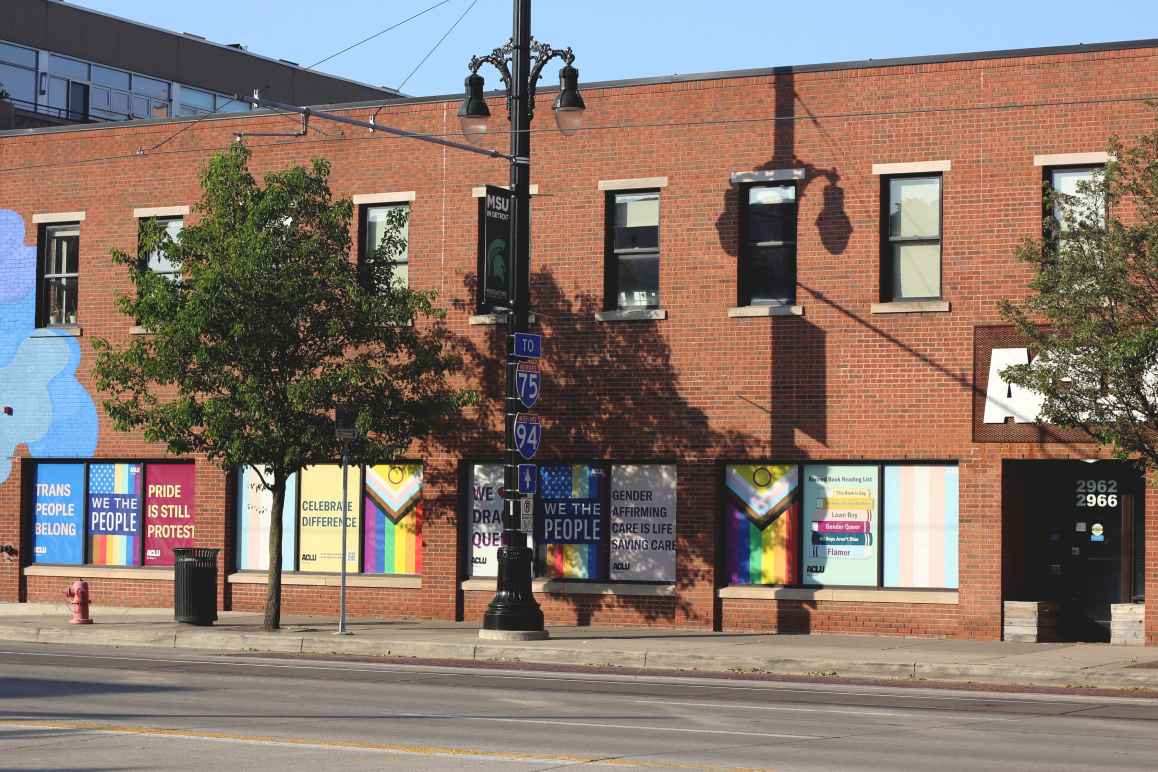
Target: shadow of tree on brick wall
column 611, row 393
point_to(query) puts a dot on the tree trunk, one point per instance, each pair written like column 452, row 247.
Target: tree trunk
column 273, row 576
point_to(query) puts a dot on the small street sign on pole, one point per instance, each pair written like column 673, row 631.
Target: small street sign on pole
column 528, row 382
column 528, row 432
column 528, row 344
column 528, row 479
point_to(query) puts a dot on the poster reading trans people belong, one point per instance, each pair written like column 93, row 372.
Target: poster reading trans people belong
column 58, row 514
column 841, row 525
column 114, row 514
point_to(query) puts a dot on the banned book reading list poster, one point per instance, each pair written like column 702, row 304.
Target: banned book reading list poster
column 114, row 514
column 841, row 525
column 321, row 515
column 643, row 523
column 58, row 514
column 170, row 496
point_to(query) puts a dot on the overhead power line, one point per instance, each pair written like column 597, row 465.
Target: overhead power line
column 436, row 45
column 379, row 33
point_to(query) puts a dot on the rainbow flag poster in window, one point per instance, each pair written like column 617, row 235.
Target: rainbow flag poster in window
column 571, row 521
column 761, row 522
column 114, row 514
column 392, row 540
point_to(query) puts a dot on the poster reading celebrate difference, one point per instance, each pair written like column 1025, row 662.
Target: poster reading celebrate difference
column 321, row 515
column 841, row 525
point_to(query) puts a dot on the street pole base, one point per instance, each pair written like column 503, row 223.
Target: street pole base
column 514, row 608
column 513, row 635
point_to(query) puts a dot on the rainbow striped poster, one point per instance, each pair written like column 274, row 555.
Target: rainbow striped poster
column 920, row 524
column 114, row 514
column 254, row 503
column 570, row 522
column 761, row 522
column 393, row 521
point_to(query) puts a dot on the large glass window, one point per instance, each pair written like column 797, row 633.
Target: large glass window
column 17, row 55
column 150, row 87
column 60, row 271
column 195, row 101
column 73, row 69
column 157, row 261
column 19, row 83
column 1072, row 199
column 379, row 222
column 110, row 77
column 633, row 250
column 768, row 245
column 911, row 268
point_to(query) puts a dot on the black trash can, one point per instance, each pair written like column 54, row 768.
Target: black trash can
column 195, row 585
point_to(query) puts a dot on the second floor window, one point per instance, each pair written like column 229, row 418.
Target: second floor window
column 632, row 266
column 157, row 261
column 1073, row 204
column 768, row 245
column 911, row 238
column 386, row 227
column 60, row 271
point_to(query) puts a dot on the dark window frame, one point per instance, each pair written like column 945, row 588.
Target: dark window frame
column 611, row 255
column 1051, row 231
column 744, row 281
column 144, row 259
column 44, row 242
column 363, row 239
column 887, row 275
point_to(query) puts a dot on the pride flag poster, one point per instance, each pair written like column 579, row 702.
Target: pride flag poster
column 321, row 516
column 254, row 503
column 170, row 511
column 920, row 522
column 392, row 540
column 114, row 514
column 761, row 522
column 58, row 514
column 841, row 525
column 570, row 521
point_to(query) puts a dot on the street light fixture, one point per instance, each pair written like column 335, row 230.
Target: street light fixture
column 514, row 613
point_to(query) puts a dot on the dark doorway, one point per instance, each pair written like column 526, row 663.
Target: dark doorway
column 1073, row 535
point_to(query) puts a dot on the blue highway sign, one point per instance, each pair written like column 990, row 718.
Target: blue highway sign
column 528, row 479
column 528, row 344
column 528, row 433
column 529, row 383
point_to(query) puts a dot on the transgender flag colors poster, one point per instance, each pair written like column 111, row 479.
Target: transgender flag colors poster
column 920, row 524
column 570, row 529
column 761, row 522
column 393, row 519
column 114, row 514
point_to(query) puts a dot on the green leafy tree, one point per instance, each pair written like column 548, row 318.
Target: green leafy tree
column 269, row 331
column 1093, row 316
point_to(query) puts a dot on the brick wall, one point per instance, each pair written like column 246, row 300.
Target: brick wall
column 838, row 383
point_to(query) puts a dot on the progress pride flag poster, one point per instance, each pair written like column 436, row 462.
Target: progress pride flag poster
column 170, row 511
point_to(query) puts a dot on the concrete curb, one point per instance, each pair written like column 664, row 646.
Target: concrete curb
column 212, row 639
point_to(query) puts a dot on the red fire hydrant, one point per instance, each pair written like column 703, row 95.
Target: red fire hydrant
column 77, row 596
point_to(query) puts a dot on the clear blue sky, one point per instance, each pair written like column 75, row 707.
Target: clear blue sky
column 635, row 38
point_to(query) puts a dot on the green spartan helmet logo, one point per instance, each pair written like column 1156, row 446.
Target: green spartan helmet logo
column 497, row 260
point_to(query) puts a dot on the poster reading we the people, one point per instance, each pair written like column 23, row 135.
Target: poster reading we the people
column 58, row 514
column 170, row 511
column 393, row 543
column 114, row 514
column 321, row 514
column 570, row 522
column 841, row 525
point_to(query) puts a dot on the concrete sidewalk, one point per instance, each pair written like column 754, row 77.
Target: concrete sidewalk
column 649, row 649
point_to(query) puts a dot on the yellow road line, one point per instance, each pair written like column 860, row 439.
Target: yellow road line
column 352, row 745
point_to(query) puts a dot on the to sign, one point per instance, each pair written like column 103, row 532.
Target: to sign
column 528, row 432
column 528, row 382
column 528, row 479
column 528, row 344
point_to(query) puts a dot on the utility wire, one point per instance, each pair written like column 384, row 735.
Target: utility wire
column 436, row 45
column 379, row 33
column 183, row 129
column 863, row 115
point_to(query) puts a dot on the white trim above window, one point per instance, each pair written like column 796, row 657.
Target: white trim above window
column 52, row 217
column 768, row 175
column 914, row 167
column 397, row 197
column 1071, row 159
column 637, row 183
column 481, row 190
column 161, row 211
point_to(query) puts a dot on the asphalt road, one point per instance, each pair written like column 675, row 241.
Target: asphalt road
column 124, row 709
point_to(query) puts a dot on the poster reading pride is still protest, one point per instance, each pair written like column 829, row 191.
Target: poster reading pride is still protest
column 321, row 516
column 643, row 523
column 841, row 525
column 114, row 514
column 58, row 514
column 170, row 495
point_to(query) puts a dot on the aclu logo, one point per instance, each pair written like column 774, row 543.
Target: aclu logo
column 478, row 561
column 814, row 569
column 621, row 566
column 308, row 558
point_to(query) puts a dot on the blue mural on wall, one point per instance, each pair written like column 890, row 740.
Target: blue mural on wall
column 51, row 411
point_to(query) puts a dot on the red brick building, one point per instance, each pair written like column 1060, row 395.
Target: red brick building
column 769, row 305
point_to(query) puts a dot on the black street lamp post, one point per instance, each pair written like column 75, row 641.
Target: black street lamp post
column 514, row 613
